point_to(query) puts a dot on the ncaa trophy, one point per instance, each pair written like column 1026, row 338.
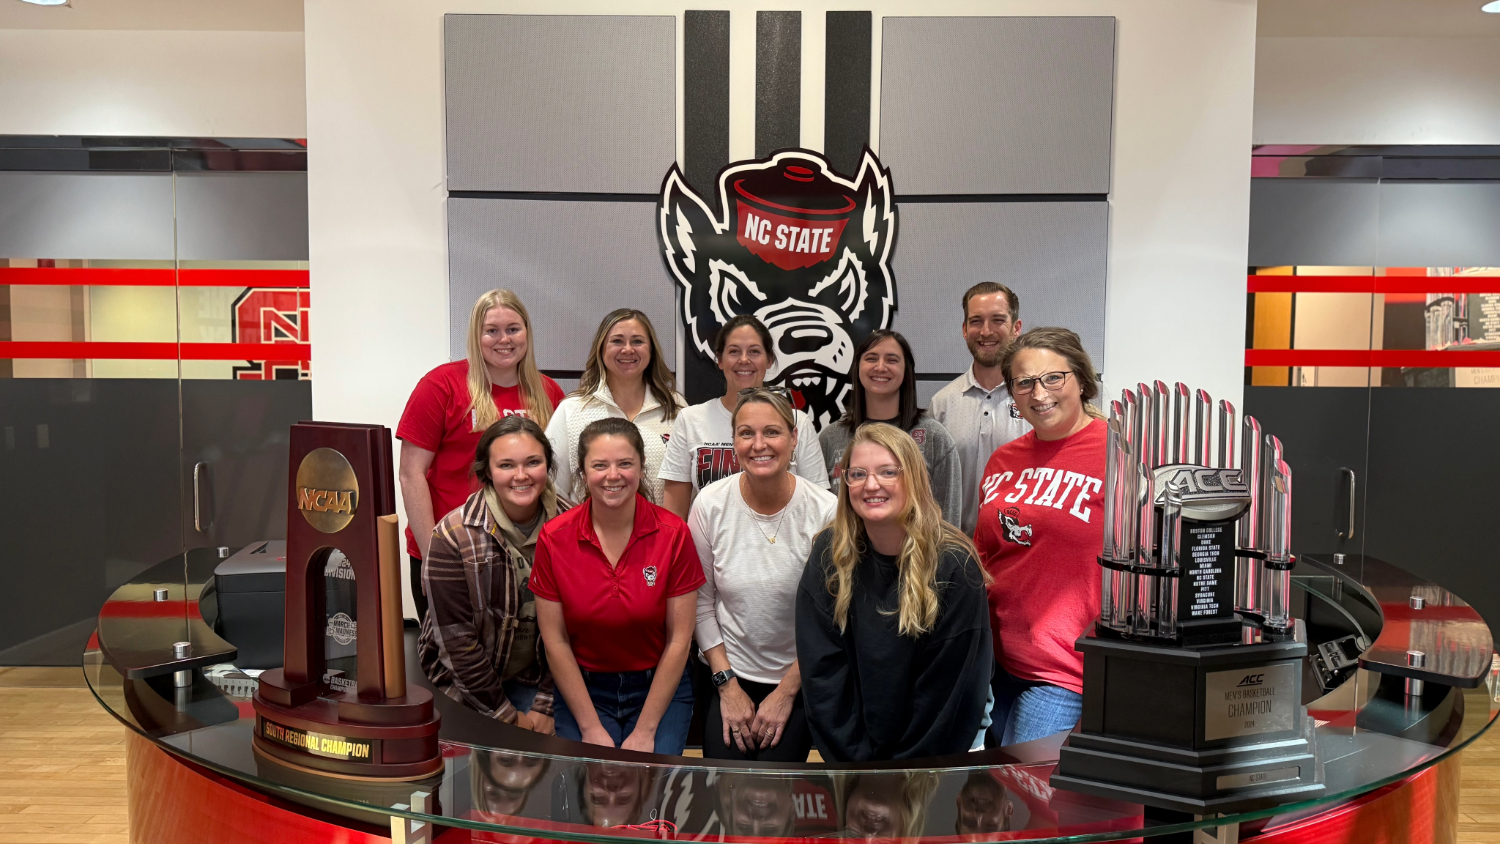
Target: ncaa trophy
column 342, row 498
column 1192, row 679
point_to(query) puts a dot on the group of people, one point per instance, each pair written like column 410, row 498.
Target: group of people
column 905, row 583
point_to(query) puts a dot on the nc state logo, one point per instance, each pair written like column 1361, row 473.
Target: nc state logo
column 804, row 249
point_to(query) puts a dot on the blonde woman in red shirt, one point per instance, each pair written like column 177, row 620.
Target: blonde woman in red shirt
column 453, row 405
column 1040, row 526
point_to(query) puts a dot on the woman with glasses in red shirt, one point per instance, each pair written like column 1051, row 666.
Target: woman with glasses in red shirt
column 1040, row 529
column 616, row 582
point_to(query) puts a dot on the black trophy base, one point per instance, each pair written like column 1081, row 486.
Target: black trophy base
column 1198, row 730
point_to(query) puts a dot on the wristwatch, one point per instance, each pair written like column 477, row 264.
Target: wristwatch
column 722, row 677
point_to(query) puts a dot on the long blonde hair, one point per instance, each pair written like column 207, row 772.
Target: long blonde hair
column 481, row 401
column 927, row 535
column 658, row 377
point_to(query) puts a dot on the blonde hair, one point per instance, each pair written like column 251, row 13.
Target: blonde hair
column 481, row 401
column 917, row 790
column 766, row 395
column 927, row 535
column 658, row 378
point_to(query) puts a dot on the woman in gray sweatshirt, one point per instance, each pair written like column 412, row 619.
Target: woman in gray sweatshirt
column 885, row 390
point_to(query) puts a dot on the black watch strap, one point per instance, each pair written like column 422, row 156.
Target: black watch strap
column 722, row 677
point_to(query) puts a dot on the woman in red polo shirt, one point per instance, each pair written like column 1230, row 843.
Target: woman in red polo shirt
column 452, row 405
column 616, row 583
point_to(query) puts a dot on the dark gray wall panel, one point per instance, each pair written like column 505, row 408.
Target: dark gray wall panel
column 580, row 103
column 778, row 81
column 570, row 262
column 1052, row 254
column 846, row 88
column 1319, row 222
column 86, row 215
column 1439, row 224
column 997, row 104
column 242, row 216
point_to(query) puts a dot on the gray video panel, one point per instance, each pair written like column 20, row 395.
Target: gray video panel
column 122, row 216
column 1052, row 254
column 560, row 103
column 1439, row 224
column 242, row 216
column 997, row 105
column 1317, row 222
column 570, row 262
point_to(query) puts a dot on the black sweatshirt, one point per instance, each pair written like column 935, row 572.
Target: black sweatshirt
column 873, row 694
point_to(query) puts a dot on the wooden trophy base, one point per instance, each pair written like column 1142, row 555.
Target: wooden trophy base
column 342, row 734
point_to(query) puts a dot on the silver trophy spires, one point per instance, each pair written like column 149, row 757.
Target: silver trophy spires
column 1148, row 510
column 1203, row 423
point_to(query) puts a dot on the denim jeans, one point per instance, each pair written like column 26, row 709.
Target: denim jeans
column 618, row 699
column 520, row 695
column 1027, row 709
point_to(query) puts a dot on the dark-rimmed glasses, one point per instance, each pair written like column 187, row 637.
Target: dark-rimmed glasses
column 1051, row 381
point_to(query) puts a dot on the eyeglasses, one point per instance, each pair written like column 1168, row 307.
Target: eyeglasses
column 780, row 391
column 885, row 475
column 1052, row 381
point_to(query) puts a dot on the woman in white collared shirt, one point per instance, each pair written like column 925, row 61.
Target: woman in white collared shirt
column 626, row 377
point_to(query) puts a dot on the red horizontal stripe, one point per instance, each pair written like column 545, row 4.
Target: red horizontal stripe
column 1371, row 357
column 278, row 352
column 149, row 609
column 92, row 276
column 1372, row 284
column 243, row 278
column 143, row 277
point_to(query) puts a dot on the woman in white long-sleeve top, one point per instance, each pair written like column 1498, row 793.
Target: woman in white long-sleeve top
column 626, row 377
column 753, row 531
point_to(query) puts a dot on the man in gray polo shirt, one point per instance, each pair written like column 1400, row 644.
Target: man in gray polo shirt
column 976, row 407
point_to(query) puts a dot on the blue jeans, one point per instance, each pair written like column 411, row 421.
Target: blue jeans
column 1027, row 709
column 618, row 699
column 520, row 695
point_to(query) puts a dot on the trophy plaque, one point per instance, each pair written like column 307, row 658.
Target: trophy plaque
column 342, row 498
column 1192, row 678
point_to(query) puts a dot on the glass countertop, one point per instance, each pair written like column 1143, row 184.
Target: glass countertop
column 502, row 779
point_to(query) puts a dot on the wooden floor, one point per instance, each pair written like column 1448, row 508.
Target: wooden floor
column 62, row 766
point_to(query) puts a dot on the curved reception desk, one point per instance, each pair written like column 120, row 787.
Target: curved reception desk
column 1385, row 726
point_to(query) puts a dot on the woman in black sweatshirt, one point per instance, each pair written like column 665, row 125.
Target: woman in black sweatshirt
column 893, row 632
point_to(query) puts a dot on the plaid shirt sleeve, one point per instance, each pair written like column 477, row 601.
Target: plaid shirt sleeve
column 455, row 629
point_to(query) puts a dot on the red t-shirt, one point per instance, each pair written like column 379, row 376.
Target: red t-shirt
column 616, row 617
column 438, row 418
column 1041, row 525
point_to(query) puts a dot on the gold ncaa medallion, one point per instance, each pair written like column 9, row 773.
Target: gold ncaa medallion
column 327, row 493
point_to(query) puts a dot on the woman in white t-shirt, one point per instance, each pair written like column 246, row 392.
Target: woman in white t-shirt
column 701, row 449
column 753, row 531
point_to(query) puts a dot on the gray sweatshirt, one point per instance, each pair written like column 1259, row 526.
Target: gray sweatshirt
column 938, row 450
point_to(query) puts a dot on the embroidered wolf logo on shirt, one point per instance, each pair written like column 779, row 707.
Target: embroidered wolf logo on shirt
column 804, row 249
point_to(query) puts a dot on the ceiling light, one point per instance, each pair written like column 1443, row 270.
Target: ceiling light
column 46, row 2
column 1492, row 7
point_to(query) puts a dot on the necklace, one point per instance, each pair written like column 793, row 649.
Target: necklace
column 777, row 532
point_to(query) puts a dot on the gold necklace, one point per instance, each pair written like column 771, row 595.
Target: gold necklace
column 787, row 506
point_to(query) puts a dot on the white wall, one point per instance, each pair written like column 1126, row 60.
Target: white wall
column 1179, row 204
column 244, row 84
column 1418, row 90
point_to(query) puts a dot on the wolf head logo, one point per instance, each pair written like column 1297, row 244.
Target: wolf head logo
column 802, row 248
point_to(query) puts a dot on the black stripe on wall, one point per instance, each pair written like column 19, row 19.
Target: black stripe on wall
column 846, row 89
column 705, row 99
column 705, row 142
column 778, row 81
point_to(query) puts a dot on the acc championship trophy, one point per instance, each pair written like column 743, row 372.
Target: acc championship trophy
column 343, row 497
column 1192, row 681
